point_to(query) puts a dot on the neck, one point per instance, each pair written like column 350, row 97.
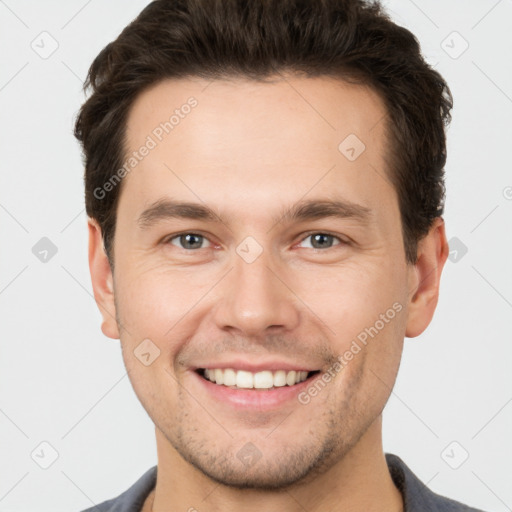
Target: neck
column 359, row 481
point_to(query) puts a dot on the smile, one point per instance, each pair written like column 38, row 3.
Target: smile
column 241, row 379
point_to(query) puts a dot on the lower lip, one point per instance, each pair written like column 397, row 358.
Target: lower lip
column 256, row 399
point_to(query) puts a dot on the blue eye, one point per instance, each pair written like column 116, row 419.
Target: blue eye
column 323, row 240
column 194, row 241
column 188, row 241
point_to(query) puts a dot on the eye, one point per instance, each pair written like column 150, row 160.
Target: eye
column 188, row 241
column 322, row 240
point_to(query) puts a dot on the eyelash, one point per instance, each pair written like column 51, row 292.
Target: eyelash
column 307, row 235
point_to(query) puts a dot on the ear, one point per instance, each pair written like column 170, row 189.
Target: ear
column 424, row 278
column 102, row 280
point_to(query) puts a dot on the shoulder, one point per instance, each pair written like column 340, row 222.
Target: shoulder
column 417, row 496
column 132, row 499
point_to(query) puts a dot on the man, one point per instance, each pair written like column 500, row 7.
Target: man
column 264, row 183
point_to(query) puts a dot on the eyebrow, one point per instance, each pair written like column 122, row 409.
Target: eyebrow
column 303, row 210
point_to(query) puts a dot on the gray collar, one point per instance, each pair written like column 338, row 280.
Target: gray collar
column 417, row 497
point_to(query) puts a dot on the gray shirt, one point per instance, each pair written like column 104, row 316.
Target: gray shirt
column 417, row 497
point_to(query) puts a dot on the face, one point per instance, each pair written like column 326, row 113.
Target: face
column 288, row 256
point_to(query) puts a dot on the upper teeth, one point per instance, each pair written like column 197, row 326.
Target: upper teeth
column 259, row 380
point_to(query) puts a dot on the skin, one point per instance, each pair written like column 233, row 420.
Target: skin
column 249, row 151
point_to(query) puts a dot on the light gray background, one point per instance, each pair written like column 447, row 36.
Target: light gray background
column 63, row 382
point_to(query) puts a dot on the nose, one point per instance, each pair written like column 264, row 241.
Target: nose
column 257, row 297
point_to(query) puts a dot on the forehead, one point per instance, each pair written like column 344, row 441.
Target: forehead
column 215, row 138
column 311, row 107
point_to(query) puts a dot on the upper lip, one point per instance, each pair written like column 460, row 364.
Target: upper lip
column 254, row 367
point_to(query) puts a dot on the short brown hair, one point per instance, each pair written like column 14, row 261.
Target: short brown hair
column 352, row 40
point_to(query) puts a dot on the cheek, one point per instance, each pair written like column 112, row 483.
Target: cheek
column 152, row 308
column 352, row 298
column 153, row 302
column 365, row 313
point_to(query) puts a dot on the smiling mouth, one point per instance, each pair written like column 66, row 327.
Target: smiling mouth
column 264, row 380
